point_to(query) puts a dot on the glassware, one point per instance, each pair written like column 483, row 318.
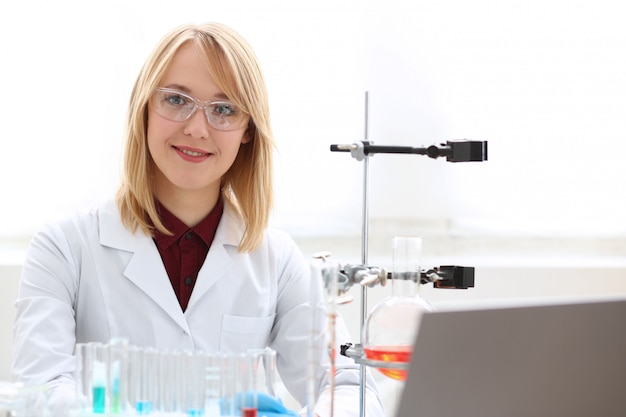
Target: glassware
column 213, row 386
column 390, row 328
column 195, row 366
column 16, row 400
column 116, row 373
column 323, row 339
column 84, row 365
column 238, row 385
column 143, row 377
column 169, row 367
column 264, row 368
column 91, row 376
column 118, row 378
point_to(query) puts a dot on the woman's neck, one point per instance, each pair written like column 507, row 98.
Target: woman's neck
column 189, row 206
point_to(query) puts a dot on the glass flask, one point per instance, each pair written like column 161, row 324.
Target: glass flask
column 390, row 328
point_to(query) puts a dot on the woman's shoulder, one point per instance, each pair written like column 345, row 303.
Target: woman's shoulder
column 278, row 235
column 82, row 221
column 281, row 245
column 89, row 217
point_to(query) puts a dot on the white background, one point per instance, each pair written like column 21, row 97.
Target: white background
column 541, row 80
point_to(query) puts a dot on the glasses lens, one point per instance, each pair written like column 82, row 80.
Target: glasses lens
column 223, row 115
column 173, row 105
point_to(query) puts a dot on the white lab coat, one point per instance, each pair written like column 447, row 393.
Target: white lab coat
column 88, row 278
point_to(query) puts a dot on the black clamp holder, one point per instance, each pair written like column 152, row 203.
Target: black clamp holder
column 447, row 276
column 454, row 151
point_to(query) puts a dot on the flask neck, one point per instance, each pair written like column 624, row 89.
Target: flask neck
column 404, row 288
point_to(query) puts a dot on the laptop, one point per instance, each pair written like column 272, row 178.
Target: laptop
column 557, row 359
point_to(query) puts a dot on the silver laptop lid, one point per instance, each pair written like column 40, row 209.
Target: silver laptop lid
column 557, row 360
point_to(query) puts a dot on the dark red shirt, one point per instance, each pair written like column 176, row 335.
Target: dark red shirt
column 184, row 252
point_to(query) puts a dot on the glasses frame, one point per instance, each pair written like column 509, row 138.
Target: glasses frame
column 200, row 105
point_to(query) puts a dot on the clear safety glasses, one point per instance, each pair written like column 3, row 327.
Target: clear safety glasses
column 176, row 106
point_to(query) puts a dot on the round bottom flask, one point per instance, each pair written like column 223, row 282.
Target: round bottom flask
column 391, row 326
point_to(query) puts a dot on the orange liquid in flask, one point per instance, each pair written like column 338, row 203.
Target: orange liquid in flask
column 390, row 354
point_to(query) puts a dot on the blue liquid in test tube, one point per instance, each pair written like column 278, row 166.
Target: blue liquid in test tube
column 99, row 390
column 143, row 408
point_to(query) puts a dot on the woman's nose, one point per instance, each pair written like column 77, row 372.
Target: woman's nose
column 197, row 125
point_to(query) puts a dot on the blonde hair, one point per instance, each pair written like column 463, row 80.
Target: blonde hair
column 247, row 185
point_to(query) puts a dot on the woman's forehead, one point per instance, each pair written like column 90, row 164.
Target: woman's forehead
column 189, row 71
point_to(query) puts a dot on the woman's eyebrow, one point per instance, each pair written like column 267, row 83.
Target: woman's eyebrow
column 178, row 87
column 187, row 90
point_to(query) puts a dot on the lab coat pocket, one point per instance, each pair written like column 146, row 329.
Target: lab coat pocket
column 240, row 333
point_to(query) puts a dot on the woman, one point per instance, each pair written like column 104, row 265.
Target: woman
column 183, row 258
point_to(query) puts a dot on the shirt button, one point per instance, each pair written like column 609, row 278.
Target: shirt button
column 188, row 281
column 188, row 236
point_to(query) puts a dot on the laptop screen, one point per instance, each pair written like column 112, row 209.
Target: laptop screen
column 562, row 359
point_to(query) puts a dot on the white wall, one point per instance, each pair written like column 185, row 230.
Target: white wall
column 9, row 279
column 541, row 80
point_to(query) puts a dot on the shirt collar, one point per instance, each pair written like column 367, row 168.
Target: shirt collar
column 205, row 229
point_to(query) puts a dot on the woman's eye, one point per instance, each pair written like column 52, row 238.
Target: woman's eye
column 175, row 100
column 224, row 109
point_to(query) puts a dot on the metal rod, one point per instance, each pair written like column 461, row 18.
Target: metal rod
column 364, row 250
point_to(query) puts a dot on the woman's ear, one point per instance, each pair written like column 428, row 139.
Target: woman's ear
column 247, row 137
column 248, row 134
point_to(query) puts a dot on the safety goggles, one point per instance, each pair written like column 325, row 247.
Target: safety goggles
column 176, row 106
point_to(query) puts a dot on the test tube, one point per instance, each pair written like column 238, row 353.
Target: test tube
column 167, row 387
column 82, row 375
column 249, row 404
column 323, row 292
column 149, row 378
column 264, row 359
column 142, row 378
column 99, row 377
column 196, row 366
column 134, row 373
column 117, row 375
column 239, row 395
column 228, row 387
column 213, row 391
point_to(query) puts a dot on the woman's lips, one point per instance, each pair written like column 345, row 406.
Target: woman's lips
column 191, row 155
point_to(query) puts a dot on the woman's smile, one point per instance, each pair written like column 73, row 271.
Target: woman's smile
column 191, row 154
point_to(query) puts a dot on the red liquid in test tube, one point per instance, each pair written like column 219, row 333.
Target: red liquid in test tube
column 248, row 412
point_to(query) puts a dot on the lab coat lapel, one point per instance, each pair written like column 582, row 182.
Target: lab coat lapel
column 145, row 268
column 219, row 260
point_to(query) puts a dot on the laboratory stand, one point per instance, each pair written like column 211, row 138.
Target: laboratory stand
column 393, row 356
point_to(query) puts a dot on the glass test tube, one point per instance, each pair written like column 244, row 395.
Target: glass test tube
column 168, row 387
column 117, row 371
column 323, row 291
column 213, row 381
column 99, row 377
column 142, row 379
column 195, row 369
column 134, row 372
column 227, row 385
column 149, row 387
column 266, row 380
column 82, row 375
column 238, row 386
column 248, row 386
